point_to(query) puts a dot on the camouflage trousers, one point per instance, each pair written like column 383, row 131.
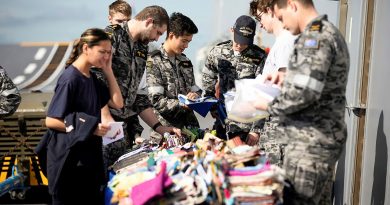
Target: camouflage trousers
column 270, row 143
column 274, row 153
column 311, row 177
column 113, row 151
column 242, row 130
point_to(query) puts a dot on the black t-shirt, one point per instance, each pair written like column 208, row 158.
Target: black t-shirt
column 75, row 92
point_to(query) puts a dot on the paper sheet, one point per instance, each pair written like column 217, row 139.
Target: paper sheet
column 115, row 133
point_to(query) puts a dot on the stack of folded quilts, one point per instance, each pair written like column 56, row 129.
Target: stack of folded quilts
column 243, row 155
column 261, row 184
column 210, row 171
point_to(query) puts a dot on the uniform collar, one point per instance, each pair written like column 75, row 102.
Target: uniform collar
column 164, row 54
column 230, row 44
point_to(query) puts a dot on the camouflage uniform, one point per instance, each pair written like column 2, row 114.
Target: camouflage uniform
column 311, row 110
column 222, row 64
column 165, row 81
column 272, row 142
column 9, row 95
column 128, row 64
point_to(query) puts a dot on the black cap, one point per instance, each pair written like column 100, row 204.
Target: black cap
column 244, row 30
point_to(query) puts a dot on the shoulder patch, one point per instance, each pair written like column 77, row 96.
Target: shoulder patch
column 112, row 28
column 311, row 43
column 316, row 26
column 258, row 49
column 225, row 42
column 155, row 52
column 254, row 54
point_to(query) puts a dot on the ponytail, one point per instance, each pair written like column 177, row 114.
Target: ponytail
column 75, row 53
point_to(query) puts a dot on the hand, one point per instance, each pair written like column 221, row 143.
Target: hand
column 107, row 64
column 185, row 107
column 252, row 139
column 192, row 96
column 214, row 112
column 101, row 129
column 261, row 104
column 172, row 130
column 276, row 78
column 107, row 120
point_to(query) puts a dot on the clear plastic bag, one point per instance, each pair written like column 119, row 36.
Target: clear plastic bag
column 248, row 91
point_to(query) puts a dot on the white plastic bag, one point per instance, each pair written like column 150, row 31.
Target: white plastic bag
column 229, row 99
column 248, row 91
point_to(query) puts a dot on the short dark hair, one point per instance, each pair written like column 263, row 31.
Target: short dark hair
column 181, row 25
column 157, row 13
column 119, row 6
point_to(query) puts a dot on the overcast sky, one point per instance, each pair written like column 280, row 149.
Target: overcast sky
column 48, row 20
column 45, row 20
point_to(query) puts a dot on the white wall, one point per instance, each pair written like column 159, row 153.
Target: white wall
column 376, row 171
column 354, row 37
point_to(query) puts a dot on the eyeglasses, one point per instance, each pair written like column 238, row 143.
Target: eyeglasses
column 258, row 16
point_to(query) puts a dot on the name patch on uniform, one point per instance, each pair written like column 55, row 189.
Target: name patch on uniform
column 140, row 54
column 311, row 43
column 185, row 64
column 111, row 28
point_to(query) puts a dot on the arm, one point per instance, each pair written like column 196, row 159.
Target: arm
column 260, row 67
column 150, row 119
column 209, row 76
column 195, row 92
column 305, row 79
column 106, row 115
column 145, row 111
column 59, row 125
column 283, row 55
column 187, row 71
column 9, row 95
column 156, row 91
column 116, row 99
column 55, row 124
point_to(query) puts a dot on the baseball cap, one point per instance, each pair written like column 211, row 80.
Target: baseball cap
column 244, row 30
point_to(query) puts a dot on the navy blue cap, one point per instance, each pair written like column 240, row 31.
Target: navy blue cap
column 244, row 30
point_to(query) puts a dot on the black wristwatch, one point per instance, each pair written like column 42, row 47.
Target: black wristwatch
column 155, row 126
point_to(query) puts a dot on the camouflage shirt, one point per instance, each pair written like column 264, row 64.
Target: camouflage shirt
column 167, row 79
column 312, row 102
column 128, row 65
column 9, row 95
column 222, row 63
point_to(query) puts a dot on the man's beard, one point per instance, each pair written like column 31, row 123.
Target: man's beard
column 145, row 38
